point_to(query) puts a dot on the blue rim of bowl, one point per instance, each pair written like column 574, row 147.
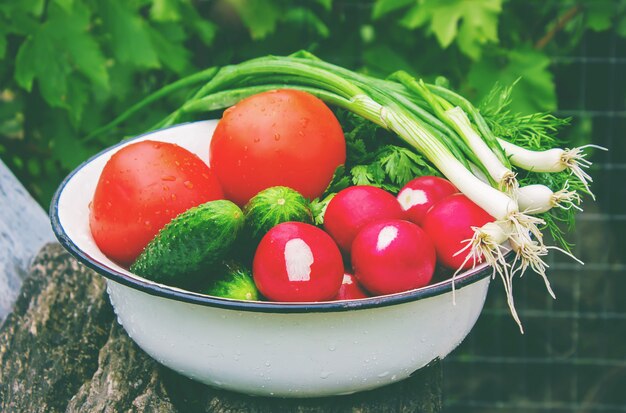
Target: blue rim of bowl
column 466, row 278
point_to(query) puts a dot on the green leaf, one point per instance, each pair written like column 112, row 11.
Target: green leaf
column 326, row 4
column 206, row 30
column 361, row 175
column 3, row 45
column 620, row 27
column 170, row 48
column 68, row 149
column 60, row 47
column 534, row 92
column 383, row 60
column 305, row 18
column 473, row 24
column 130, row 37
column 77, row 98
column 259, row 16
column 165, row 11
column 66, row 5
column 599, row 14
column 384, row 7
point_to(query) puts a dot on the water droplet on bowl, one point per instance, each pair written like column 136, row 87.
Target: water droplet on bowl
column 325, row 374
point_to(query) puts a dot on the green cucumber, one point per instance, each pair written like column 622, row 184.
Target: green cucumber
column 236, row 283
column 197, row 238
column 273, row 206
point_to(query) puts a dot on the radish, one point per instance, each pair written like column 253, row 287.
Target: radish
column 354, row 207
column 297, row 262
column 392, row 256
column 420, row 194
column 450, row 224
column 350, row 289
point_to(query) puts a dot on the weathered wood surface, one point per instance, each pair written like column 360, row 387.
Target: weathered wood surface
column 62, row 351
column 24, row 229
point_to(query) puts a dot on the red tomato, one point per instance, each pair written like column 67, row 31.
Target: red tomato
column 297, row 262
column 277, row 138
column 420, row 194
column 354, row 207
column 449, row 223
column 393, row 256
column 142, row 187
column 350, row 289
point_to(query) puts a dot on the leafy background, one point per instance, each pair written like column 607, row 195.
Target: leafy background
column 70, row 66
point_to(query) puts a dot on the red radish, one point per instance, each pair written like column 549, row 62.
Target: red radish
column 392, row 256
column 356, row 206
column 420, row 194
column 449, row 223
column 297, row 262
column 350, row 289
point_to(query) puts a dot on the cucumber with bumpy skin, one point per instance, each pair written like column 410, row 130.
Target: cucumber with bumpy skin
column 236, row 283
column 273, row 206
column 191, row 242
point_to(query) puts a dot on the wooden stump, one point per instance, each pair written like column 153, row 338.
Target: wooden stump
column 61, row 350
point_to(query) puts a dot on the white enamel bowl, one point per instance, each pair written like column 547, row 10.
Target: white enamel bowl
column 261, row 348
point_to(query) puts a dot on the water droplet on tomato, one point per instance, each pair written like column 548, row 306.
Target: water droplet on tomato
column 188, row 184
column 173, row 196
column 148, row 224
column 245, row 148
column 277, row 136
column 177, row 163
column 168, row 178
column 300, row 133
column 304, row 122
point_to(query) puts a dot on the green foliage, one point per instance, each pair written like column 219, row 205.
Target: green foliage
column 472, row 24
column 67, row 67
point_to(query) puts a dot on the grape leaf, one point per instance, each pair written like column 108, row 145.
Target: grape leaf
column 599, row 14
column 67, row 5
column 3, row 44
column 307, row 19
column 473, row 24
column 168, row 43
column 259, row 16
column 130, row 37
column 165, row 11
column 384, row 7
column 326, row 4
column 535, row 91
column 66, row 47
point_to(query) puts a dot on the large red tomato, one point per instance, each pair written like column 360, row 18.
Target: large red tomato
column 282, row 137
column 142, row 187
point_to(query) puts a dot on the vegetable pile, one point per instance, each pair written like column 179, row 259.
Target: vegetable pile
column 337, row 205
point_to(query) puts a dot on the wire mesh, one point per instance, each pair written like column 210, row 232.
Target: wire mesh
column 573, row 355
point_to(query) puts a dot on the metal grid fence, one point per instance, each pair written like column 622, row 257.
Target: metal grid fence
column 573, row 355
